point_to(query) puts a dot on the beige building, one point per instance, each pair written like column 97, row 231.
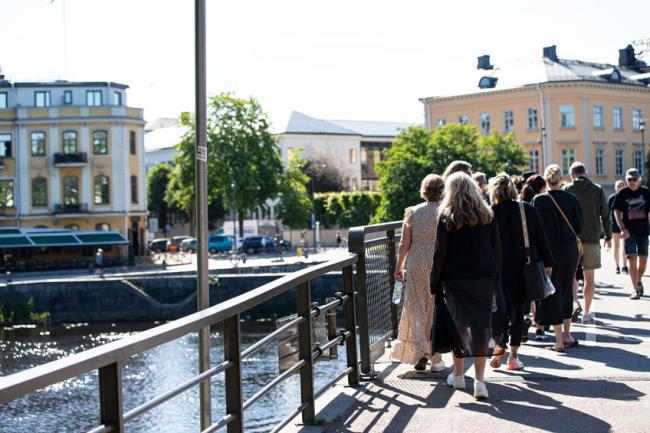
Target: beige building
column 72, row 156
column 560, row 110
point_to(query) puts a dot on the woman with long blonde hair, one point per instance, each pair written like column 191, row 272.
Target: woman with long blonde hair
column 466, row 264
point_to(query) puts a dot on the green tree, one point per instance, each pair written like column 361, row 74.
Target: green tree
column 295, row 206
column 157, row 181
column 502, row 153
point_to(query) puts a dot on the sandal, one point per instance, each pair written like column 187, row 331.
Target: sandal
column 576, row 313
column 421, row 365
column 574, row 343
column 556, row 349
column 497, row 358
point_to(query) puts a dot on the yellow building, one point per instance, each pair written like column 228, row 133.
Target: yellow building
column 560, row 110
column 72, row 156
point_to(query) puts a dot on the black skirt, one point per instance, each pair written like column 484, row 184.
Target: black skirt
column 559, row 306
column 463, row 317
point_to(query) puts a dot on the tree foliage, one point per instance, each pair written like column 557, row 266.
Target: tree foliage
column 295, row 206
column 346, row 209
column 418, row 152
column 323, row 175
column 157, row 180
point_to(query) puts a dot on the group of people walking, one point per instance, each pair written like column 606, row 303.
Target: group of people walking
column 464, row 249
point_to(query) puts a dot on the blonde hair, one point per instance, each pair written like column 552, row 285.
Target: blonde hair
column 462, row 204
column 456, row 166
column 619, row 185
column 432, row 187
column 553, row 174
column 502, row 188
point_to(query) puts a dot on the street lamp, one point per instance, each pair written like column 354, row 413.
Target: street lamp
column 233, row 186
column 642, row 129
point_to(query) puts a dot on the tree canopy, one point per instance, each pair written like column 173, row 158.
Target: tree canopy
column 323, row 175
column 418, row 152
column 295, row 206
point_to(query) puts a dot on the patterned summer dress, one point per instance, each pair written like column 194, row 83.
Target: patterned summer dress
column 414, row 337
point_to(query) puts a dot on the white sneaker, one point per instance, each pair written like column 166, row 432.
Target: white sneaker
column 457, row 382
column 438, row 366
column 480, row 391
column 514, row 363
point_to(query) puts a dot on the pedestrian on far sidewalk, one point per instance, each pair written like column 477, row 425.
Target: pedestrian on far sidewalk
column 99, row 262
column 619, row 257
column 631, row 207
column 596, row 215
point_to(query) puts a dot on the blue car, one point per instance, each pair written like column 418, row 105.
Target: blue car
column 219, row 243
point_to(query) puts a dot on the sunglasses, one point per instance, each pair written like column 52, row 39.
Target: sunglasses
column 633, row 179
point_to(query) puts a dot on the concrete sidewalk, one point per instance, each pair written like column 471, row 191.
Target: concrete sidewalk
column 600, row 386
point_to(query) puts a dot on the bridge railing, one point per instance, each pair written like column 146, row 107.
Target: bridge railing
column 376, row 249
column 108, row 359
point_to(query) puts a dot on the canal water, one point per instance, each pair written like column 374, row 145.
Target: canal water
column 73, row 405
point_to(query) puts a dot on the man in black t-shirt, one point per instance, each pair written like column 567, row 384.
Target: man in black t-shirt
column 631, row 207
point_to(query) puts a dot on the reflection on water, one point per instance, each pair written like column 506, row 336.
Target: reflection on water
column 73, row 405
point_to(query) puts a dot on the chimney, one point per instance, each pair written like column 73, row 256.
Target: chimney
column 550, row 53
column 484, row 62
column 626, row 57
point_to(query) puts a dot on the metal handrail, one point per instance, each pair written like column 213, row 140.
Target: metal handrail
column 107, row 358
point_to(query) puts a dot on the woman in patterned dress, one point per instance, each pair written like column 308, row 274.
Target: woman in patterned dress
column 418, row 241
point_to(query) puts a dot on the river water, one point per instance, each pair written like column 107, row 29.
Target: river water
column 73, row 405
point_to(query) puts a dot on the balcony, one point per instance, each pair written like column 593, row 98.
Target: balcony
column 71, row 208
column 70, row 159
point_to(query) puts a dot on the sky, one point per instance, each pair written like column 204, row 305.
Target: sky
column 336, row 59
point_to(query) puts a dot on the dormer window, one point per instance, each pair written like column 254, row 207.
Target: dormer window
column 610, row 74
column 487, row 82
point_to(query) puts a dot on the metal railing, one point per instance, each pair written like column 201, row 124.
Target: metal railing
column 375, row 245
column 108, row 359
column 70, row 158
column 71, row 208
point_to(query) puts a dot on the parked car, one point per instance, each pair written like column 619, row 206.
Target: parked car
column 188, row 245
column 158, row 245
column 219, row 243
column 174, row 244
column 257, row 244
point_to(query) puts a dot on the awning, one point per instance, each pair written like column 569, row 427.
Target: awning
column 26, row 238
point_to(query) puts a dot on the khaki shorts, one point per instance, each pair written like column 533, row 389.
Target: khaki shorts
column 591, row 256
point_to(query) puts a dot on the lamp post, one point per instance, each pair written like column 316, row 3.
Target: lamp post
column 233, row 186
column 642, row 129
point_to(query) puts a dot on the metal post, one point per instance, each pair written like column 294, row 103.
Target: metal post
column 233, row 187
column 351, row 326
column 305, row 353
column 356, row 239
column 642, row 128
column 201, row 211
column 110, row 397
column 330, row 320
column 232, row 353
column 392, row 260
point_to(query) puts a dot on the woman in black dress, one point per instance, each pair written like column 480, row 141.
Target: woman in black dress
column 463, row 279
column 507, row 212
column 557, row 309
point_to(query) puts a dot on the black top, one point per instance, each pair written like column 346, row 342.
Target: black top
column 610, row 205
column 634, row 205
column 468, row 253
column 558, row 233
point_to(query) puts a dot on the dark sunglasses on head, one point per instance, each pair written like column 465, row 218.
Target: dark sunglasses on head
column 632, row 179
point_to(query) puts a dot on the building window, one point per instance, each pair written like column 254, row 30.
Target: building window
column 355, row 185
column 117, row 98
column 69, row 142
column 93, row 98
column 600, row 162
column 441, row 122
column 39, row 192
column 534, row 160
column 70, row 190
column 598, row 117
column 132, row 142
column 134, row 189
column 508, row 121
column 364, row 155
column 38, row 143
column 103, row 227
column 618, row 118
column 619, row 162
column 638, row 161
column 5, row 145
column 67, row 97
column 6, row 193
column 532, row 119
column 101, row 190
column 72, row 227
column 4, row 100
column 567, row 116
column 485, row 123
column 42, row 98
column 353, row 156
column 463, row 120
column 636, row 119
column 568, row 158
column 100, row 142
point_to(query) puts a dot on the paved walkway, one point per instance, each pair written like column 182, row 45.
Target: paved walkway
column 600, row 386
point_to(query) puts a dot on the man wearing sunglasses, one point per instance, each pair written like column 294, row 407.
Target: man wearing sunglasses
column 631, row 207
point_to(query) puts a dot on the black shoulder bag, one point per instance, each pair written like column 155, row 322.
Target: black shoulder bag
column 536, row 281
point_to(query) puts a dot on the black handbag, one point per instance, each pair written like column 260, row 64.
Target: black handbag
column 536, row 281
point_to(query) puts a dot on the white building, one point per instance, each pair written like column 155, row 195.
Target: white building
column 160, row 140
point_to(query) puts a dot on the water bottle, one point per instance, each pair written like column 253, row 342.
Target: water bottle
column 397, row 292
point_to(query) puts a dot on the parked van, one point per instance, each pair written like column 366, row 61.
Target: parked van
column 219, row 243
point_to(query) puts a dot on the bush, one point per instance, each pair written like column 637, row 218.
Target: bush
column 346, row 209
